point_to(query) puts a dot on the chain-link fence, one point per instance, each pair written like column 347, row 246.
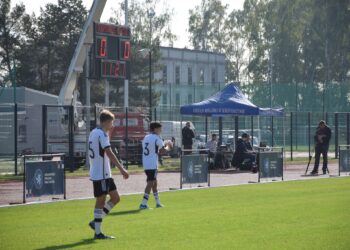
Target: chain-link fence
column 65, row 129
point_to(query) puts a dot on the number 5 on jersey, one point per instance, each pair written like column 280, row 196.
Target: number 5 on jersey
column 92, row 153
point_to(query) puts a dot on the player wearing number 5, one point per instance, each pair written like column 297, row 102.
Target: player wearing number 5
column 153, row 145
column 100, row 154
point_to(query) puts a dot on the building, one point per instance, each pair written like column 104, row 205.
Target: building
column 29, row 119
column 188, row 76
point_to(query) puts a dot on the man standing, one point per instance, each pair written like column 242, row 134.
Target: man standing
column 100, row 154
column 187, row 137
column 322, row 138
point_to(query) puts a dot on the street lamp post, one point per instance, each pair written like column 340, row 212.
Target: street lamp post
column 150, row 84
column 148, row 52
column 151, row 14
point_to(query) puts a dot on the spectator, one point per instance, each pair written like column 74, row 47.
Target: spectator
column 249, row 145
column 212, row 145
column 187, row 138
column 243, row 152
column 322, row 137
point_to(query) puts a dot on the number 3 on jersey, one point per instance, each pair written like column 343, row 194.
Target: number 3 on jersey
column 146, row 150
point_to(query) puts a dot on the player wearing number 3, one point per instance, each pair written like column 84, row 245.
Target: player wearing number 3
column 152, row 145
column 100, row 154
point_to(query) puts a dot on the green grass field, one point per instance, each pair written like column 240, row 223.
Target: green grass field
column 310, row 214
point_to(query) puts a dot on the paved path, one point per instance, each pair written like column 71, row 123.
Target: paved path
column 81, row 187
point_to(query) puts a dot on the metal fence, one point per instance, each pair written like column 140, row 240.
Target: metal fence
column 36, row 129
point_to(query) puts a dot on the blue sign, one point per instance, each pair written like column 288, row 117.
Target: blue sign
column 44, row 178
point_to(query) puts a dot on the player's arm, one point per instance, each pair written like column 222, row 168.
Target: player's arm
column 104, row 140
column 165, row 147
column 116, row 162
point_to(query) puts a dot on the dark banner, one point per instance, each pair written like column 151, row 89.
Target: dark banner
column 270, row 164
column 194, row 168
column 344, row 160
column 44, row 178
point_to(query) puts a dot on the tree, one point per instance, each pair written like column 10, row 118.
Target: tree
column 207, row 24
column 11, row 36
column 140, row 24
column 50, row 41
column 235, row 45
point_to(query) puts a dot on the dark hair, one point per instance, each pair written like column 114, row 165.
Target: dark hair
column 106, row 115
column 322, row 122
column 154, row 125
column 213, row 135
column 245, row 135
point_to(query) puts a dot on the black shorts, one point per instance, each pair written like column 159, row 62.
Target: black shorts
column 151, row 174
column 103, row 187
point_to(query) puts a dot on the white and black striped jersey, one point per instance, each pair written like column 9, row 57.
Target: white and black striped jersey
column 99, row 162
column 151, row 145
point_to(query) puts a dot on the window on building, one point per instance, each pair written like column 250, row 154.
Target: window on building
column 213, row 76
column 165, row 75
column 201, row 75
column 177, row 74
column 189, row 74
column 202, row 97
column 189, row 98
column 177, row 99
column 22, row 133
column 165, row 99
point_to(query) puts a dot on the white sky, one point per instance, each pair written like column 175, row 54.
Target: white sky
column 179, row 23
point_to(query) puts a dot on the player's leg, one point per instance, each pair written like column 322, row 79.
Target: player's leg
column 150, row 178
column 100, row 192
column 156, row 194
column 98, row 213
column 114, row 197
column 146, row 195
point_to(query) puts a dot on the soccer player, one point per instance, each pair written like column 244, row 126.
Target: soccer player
column 100, row 154
column 152, row 146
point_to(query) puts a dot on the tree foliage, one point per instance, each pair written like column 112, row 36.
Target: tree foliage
column 301, row 44
column 144, row 38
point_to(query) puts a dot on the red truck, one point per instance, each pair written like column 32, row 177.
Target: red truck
column 138, row 126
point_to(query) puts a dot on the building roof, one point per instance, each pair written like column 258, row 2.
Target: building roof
column 193, row 50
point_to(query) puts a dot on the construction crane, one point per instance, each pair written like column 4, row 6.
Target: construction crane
column 68, row 94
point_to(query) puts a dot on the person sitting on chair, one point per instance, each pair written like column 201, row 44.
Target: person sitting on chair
column 244, row 153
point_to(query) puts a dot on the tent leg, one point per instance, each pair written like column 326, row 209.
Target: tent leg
column 220, row 131
column 206, row 129
column 236, row 128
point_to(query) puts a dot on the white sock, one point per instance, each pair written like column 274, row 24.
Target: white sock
column 145, row 199
column 98, row 214
column 107, row 208
column 156, row 196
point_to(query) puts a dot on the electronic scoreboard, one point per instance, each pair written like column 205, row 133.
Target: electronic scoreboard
column 111, row 51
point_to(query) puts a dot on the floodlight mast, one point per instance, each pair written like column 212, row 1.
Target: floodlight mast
column 66, row 96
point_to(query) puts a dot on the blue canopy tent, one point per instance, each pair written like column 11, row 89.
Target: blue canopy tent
column 230, row 101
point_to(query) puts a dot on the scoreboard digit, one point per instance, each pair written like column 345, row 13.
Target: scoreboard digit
column 112, row 49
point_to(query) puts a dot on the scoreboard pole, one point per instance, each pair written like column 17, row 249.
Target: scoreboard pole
column 126, row 80
column 106, row 92
column 88, row 103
